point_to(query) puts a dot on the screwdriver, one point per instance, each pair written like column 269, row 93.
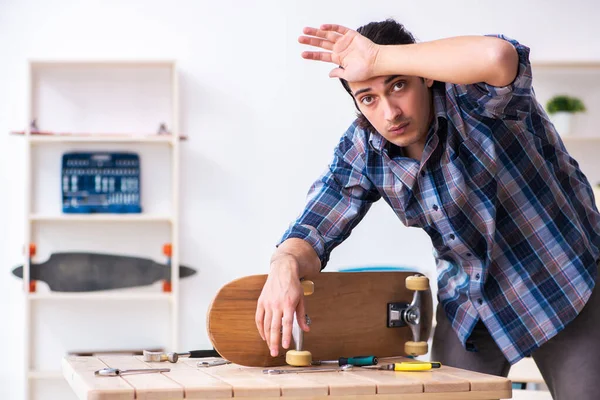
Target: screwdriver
column 411, row 366
column 357, row 361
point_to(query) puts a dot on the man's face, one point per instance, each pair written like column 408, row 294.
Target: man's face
column 398, row 107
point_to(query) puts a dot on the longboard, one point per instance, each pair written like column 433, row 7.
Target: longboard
column 83, row 272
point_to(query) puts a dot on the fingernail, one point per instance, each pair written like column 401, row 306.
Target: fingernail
column 285, row 344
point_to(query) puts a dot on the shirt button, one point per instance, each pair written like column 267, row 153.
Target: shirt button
column 477, row 276
column 422, row 173
column 452, row 237
column 469, row 254
column 479, row 301
column 435, row 207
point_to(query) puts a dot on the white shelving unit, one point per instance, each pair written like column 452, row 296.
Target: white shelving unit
column 99, row 98
column 580, row 79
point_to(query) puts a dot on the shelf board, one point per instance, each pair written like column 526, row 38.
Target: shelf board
column 35, row 374
column 566, row 64
column 101, row 218
column 99, row 296
column 580, row 138
column 137, row 63
column 34, row 139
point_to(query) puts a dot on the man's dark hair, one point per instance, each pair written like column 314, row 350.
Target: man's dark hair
column 386, row 32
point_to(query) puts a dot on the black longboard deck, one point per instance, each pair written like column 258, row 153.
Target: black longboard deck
column 85, row 272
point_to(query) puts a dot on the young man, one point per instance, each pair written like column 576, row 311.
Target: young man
column 451, row 135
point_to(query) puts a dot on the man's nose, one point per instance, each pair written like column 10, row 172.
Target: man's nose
column 391, row 111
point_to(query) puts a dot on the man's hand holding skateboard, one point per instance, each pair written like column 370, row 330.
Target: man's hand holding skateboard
column 282, row 295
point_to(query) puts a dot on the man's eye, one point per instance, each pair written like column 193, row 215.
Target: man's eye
column 366, row 100
column 398, row 86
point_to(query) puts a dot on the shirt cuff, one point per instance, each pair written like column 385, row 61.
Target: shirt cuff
column 311, row 236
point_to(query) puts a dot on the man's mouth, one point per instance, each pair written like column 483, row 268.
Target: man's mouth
column 399, row 129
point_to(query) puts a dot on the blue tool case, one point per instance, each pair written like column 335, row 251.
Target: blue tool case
column 101, row 182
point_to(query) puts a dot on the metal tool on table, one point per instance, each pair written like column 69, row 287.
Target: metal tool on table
column 356, row 361
column 172, row 357
column 346, row 367
column 119, row 372
column 408, row 366
column 213, row 363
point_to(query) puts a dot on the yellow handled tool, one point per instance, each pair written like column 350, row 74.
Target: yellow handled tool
column 411, row 366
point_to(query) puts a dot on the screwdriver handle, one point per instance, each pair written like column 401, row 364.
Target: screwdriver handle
column 200, row 353
column 358, row 361
column 415, row 366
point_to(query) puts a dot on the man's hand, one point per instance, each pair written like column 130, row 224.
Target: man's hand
column 355, row 54
column 281, row 296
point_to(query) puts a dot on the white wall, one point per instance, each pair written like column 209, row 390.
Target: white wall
column 262, row 121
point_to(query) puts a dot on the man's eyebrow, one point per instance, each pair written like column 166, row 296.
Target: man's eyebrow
column 361, row 91
column 391, row 78
column 387, row 80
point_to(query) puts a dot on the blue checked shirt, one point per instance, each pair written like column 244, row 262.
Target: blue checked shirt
column 511, row 217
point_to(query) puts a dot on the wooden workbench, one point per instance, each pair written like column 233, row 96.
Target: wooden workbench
column 187, row 381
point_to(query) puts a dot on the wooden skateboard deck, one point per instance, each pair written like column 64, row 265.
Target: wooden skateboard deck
column 348, row 312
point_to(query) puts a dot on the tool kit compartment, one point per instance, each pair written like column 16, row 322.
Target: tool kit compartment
column 101, row 182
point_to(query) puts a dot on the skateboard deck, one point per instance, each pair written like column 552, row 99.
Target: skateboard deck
column 348, row 313
column 83, row 272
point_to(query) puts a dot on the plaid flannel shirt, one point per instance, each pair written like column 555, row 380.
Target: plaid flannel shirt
column 511, row 217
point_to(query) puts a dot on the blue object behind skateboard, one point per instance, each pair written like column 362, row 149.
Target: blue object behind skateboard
column 101, row 182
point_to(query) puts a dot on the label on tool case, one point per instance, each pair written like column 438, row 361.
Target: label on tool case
column 101, row 182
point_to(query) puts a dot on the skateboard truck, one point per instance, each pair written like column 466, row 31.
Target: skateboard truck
column 402, row 314
column 299, row 357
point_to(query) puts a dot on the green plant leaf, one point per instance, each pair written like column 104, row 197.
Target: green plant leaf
column 564, row 103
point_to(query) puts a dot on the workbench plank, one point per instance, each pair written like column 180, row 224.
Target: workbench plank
column 390, row 382
column 79, row 373
column 289, row 385
column 339, row 384
column 195, row 383
column 433, row 381
column 244, row 382
column 153, row 386
column 479, row 382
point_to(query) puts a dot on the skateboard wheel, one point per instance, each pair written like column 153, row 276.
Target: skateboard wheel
column 416, row 348
column 417, row 283
column 168, row 249
column 308, row 287
column 297, row 358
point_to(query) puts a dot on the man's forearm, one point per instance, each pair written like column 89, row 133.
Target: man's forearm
column 308, row 262
column 459, row 60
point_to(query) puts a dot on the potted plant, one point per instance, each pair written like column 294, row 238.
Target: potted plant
column 561, row 109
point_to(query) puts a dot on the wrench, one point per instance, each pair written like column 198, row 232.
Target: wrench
column 119, row 372
column 346, row 367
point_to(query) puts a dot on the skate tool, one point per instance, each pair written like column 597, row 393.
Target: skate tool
column 300, row 357
column 159, row 356
column 119, row 372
